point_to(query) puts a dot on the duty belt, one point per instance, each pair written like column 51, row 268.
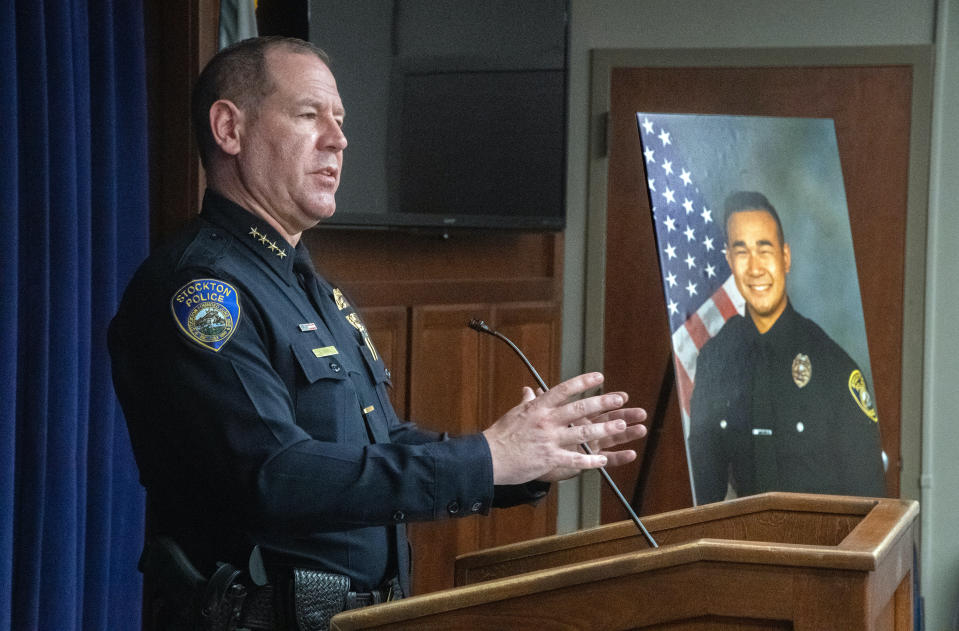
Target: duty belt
column 316, row 598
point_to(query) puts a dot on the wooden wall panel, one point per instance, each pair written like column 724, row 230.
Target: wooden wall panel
column 461, row 381
column 446, row 370
column 535, row 329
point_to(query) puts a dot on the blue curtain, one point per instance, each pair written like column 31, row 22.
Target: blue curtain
column 74, row 223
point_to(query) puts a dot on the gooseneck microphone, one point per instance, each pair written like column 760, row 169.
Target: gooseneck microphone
column 482, row 327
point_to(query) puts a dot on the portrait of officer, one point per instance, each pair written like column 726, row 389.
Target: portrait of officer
column 777, row 405
column 257, row 404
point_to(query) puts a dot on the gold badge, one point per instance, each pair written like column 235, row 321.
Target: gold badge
column 802, row 370
column 859, row 392
column 340, row 301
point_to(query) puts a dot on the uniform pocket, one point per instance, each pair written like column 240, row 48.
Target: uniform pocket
column 325, row 398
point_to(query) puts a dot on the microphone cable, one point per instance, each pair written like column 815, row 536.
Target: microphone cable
column 482, row 327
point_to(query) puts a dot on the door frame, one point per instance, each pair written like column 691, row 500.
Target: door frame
column 920, row 59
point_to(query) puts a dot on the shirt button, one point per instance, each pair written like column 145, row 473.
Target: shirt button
column 335, row 367
column 214, row 236
column 722, row 424
column 476, row 507
column 800, row 427
column 453, row 507
column 399, row 516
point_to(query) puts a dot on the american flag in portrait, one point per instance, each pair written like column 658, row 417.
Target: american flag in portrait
column 699, row 288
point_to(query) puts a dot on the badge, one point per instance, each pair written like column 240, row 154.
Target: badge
column 207, row 311
column 859, row 392
column 802, row 370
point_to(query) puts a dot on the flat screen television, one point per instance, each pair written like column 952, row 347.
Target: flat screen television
column 455, row 112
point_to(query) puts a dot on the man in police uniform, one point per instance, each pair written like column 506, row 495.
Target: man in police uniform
column 777, row 405
column 256, row 402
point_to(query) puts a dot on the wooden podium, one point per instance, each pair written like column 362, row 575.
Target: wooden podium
column 771, row 561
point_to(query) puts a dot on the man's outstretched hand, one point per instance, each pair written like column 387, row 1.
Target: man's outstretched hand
column 539, row 438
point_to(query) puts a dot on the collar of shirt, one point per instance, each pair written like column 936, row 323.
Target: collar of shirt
column 782, row 327
column 257, row 235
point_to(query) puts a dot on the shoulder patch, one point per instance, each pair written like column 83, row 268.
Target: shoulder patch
column 207, row 310
column 859, row 392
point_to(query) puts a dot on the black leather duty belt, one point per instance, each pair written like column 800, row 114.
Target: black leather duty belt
column 260, row 607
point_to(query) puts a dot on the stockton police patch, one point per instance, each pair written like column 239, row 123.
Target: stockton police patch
column 207, row 310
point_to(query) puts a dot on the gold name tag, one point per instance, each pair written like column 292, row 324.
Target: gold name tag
column 368, row 409
column 326, row 351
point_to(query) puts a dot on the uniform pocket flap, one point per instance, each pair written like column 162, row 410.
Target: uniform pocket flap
column 322, row 362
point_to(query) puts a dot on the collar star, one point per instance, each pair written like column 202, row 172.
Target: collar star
column 265, row 240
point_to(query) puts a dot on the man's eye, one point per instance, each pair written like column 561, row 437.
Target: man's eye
column 309, row 115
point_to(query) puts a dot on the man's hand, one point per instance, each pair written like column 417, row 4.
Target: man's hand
column 539, row 438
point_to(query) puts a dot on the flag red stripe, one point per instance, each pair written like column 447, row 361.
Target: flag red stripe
column 684, row 386
column 697, row 331
column 724, row 304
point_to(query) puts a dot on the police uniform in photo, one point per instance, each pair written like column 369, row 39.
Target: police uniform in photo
column 259, row 414
column 787, row 410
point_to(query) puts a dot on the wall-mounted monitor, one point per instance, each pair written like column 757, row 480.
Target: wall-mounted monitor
column 455, row 111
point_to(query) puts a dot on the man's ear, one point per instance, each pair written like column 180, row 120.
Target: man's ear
column 226, row 122
column 787, row 258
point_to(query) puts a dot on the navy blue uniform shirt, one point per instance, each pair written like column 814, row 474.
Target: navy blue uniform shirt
column 258, row 410
column 787, row 410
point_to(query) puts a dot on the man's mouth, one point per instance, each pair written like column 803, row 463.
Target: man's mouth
column 327, row 173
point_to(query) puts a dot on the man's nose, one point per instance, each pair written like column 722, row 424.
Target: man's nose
column 334, row 139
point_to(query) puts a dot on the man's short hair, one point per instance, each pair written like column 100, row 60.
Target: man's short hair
column 741, row 201
column 239, row 74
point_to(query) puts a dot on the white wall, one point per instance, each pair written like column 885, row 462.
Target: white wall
column 940, row 554
column 609, row 24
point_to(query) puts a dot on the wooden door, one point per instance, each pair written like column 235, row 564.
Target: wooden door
column 872, row 109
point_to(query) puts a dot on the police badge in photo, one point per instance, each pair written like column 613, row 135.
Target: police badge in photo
column 207, row 310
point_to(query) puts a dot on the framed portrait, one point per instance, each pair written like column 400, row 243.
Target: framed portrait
column 765, row 314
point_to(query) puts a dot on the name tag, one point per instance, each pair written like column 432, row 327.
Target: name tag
column 308, row 326
column 758, row 431
column 326, row 351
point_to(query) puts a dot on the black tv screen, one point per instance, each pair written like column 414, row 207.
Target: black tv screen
column 455, row 112
column 482, row 149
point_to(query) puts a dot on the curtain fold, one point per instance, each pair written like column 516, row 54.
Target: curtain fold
column 75, row 219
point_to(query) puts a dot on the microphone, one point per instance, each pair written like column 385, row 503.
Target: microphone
column 482, row 327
